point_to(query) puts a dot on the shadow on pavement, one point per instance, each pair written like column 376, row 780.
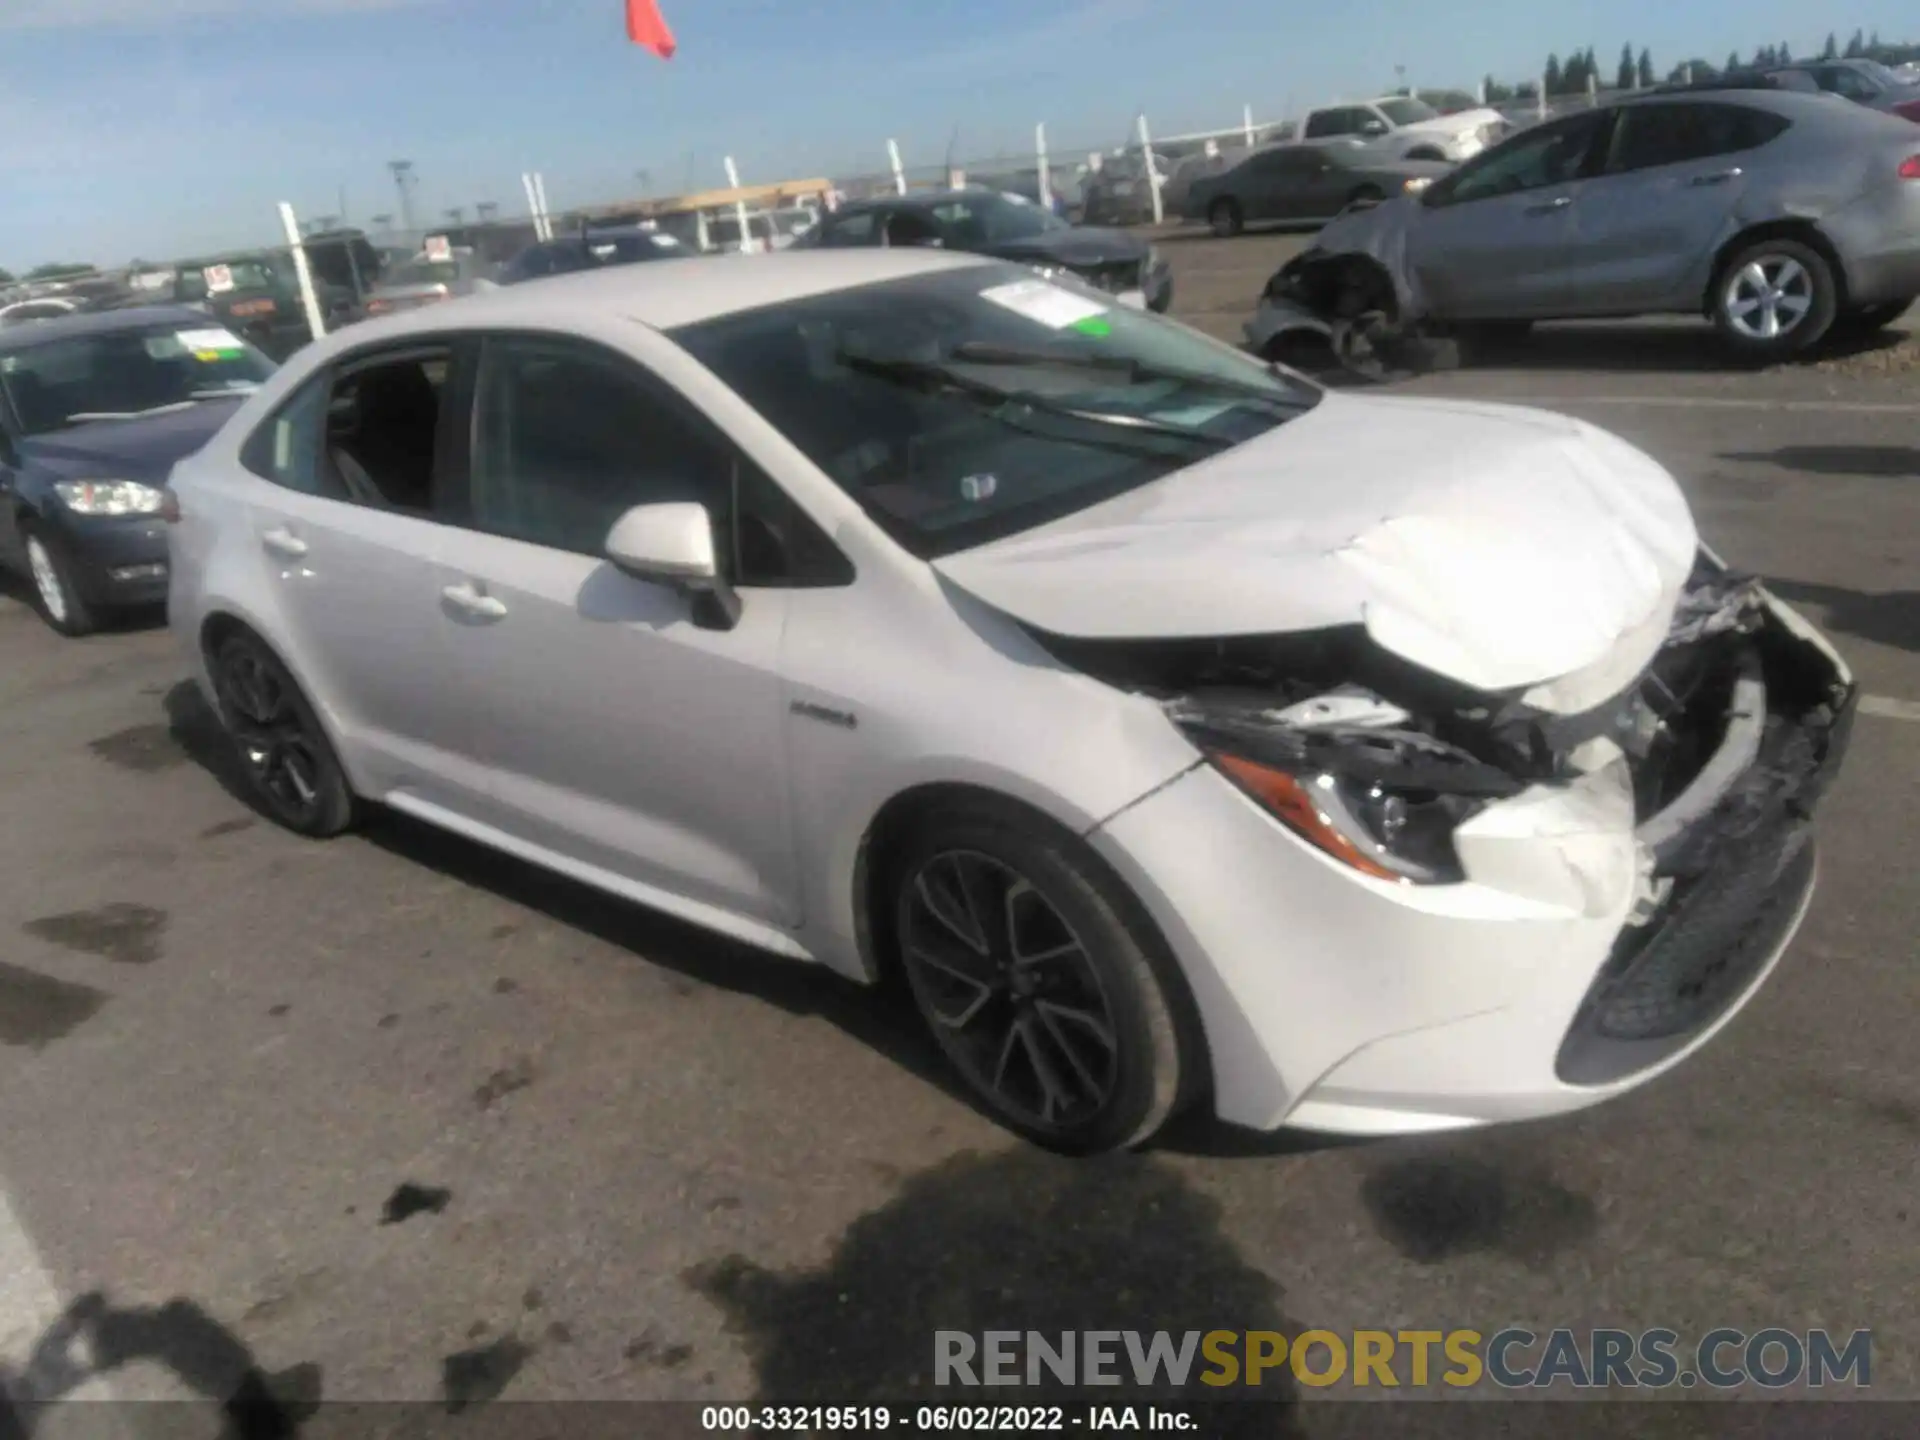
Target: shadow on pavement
column 1019, row 1241
column 94, row 1337
column 1890, row 461
column 1672, row 346
column 1891, row 617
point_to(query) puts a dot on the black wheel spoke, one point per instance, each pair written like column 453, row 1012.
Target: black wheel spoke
column 947, row 901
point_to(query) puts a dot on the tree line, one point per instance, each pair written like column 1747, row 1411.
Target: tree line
column 1636, row 70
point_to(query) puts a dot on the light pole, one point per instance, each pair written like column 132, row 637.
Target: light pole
column 404, row 181
column 456, row 213
column 485, row 210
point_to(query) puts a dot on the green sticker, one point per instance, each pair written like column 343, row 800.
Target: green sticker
column 1094, row 325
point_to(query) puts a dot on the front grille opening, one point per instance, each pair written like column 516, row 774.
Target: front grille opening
column 1689, row 691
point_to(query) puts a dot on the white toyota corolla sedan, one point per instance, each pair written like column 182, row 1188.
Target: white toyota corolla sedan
column 1178, row 731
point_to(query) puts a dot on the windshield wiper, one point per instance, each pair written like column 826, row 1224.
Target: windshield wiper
column 976, row 352
column 931, row 373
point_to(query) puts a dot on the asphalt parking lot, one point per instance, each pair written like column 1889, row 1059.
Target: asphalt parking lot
column 646, row 1163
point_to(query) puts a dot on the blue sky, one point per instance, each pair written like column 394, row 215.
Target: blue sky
column 156, row 128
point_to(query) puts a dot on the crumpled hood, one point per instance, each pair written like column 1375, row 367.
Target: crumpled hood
column 143, row 449
column 1499, row 546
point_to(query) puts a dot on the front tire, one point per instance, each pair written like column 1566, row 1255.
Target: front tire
column 56, row 596
column 294, row 775
column 1773, row 300
column 1226, row 218
column 1055, row 1004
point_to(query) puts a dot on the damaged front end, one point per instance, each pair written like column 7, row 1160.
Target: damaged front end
column 1704, row 770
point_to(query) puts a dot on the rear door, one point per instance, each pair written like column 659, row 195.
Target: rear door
column 1490, row 240
column 345, row 531
column 1645, row 230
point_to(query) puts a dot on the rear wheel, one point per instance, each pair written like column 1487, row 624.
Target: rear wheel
column 1064, row 1017
column 1226, row 218
column 1774, row 299
column 55, row 593
column 290, row 765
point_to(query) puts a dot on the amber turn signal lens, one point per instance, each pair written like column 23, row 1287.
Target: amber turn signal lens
column 1292, row 804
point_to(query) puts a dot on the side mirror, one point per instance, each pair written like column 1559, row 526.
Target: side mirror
column 671, row 544
column 1374, row 127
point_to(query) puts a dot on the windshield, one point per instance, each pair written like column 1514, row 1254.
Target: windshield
column 1885, row 76
column 965, row 405
column 1407, row 111
column 244, row 274
column 124, row 373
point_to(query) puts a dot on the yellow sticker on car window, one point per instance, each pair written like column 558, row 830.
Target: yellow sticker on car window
column 211, row 345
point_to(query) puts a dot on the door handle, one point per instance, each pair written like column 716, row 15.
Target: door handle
column 466, row 599
column 282, row 541
column 1719, row 177
column 1549, row 207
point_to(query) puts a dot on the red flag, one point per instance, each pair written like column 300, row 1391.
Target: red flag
column 647, row 26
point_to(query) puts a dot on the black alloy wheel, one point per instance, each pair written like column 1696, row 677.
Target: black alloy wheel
column 289, row 763
column 1065, row 1019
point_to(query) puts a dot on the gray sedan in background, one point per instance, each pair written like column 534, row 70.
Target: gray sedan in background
column 1782, row 217
column 1302, row 184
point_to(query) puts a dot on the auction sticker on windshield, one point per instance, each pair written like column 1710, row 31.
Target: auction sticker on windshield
column 219, row 279
column 1044, row 304
column 208, row 345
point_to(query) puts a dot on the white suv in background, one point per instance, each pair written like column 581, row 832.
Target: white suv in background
column 1404, row 128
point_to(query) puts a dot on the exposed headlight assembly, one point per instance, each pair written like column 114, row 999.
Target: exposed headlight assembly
column 109, row 497
column 1381, row 797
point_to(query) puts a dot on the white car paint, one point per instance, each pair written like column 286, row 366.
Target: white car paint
column 593, row 730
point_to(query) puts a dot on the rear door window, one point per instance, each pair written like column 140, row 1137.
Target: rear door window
column 1651, row 136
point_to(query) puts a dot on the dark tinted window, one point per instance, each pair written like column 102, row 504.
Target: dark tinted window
column 286, row 448
column 383, row 428
column 1654, row 135
column 1342, row 120
column 568, row 438
column 854, row 229
column 1551, row 154
column 1845, row 80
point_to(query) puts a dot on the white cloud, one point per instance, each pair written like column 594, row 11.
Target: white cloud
column 158, row 14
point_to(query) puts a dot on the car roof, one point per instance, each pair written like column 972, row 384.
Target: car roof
column 101, row 322
column 1793, row 104
column 685, row 292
